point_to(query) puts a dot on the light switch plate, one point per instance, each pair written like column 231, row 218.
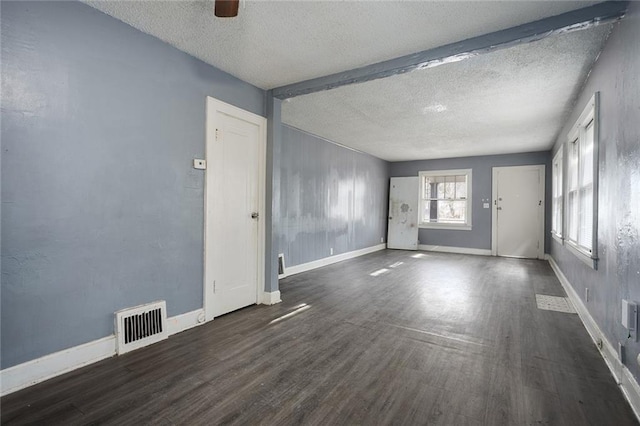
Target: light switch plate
column 199, row 164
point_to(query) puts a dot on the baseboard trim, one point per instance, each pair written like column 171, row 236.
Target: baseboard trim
column 271, row 298
column 23, row 375
column 459, row 250
column 622, row 375
column 185, row 321
column 49, row 366
column 292, row 270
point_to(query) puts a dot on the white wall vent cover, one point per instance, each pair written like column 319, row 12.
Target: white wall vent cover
column 141, row 326
column 554, row 303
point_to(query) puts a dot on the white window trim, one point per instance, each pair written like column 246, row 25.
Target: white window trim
column 590, row 112
column 448, row 226
column 558, row 159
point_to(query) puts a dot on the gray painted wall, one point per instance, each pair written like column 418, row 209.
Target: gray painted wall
column 330, row 197
column 102, row 209
column 479, row 236
column 616, row 75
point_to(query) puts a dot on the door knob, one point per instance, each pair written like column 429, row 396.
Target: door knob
column 255, row 215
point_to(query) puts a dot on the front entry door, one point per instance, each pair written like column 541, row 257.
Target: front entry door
column 403, row 213
column 518, row 211
column 233, row 208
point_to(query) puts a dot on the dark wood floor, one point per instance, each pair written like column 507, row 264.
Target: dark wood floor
column 442, row 339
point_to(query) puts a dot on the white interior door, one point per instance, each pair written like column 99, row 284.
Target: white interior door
column 235, row 194
column 403, row 213
column 518, row 211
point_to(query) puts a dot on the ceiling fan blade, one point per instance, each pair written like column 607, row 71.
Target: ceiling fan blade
column 226, row 8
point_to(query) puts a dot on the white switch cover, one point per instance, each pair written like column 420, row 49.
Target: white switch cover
column 199, row 164
column 485, row 205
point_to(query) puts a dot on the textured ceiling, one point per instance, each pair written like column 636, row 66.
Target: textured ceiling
column 507, row 101
column 274, row 43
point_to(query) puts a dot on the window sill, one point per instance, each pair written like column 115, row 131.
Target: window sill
column 582, row 256
column 445, row 226
column 558, row 238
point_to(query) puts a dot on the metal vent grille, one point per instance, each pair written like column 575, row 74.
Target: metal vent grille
column 138, row 327
column 141, row 326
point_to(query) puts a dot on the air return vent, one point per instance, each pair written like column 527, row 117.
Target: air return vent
column 141, row 326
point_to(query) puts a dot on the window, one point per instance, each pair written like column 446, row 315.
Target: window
column 581, row 199
column 556, row 218
column 445, row 199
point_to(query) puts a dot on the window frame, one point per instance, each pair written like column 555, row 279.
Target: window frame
column 557, row 196
column 467, row 225
column 576, row 135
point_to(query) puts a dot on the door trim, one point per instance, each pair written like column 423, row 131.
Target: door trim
column 212, row 107
column 494, row 210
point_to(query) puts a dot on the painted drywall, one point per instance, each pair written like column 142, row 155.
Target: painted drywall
column 479, row 237
column 330, row 197
column 102, row 209
column 616, row 75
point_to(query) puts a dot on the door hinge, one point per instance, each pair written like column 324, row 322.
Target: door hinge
column 214, row 286
column 217, row 134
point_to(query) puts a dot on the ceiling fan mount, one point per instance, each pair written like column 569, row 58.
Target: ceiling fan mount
column 226, row 8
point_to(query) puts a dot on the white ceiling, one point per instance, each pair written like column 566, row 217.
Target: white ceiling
column 508, row 101
column 274, row 43
column 513, row 100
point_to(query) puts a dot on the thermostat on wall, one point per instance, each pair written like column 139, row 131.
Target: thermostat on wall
column 199, row 164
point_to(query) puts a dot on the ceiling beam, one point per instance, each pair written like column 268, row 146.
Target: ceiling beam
column 580, row 19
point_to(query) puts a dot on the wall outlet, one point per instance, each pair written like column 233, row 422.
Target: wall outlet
column 382, row 239
column 586, row 294
column 331, row 251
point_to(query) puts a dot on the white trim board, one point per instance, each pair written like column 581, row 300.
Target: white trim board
column 271, row 298
column 23, row 375
column 459, row 250
column 622, row 375
column 292, row 270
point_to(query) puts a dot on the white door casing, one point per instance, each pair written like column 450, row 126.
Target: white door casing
column 234, row 192
column 403, row 213
column 518, row 211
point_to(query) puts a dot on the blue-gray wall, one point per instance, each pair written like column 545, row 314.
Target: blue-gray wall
column 330, row 197
column 479, row 237
column 616, row 75
column 102, row 209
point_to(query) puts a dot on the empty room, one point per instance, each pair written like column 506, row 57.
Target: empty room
column 436, row 217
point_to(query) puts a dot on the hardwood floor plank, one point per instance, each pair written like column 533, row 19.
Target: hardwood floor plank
column 440, row 339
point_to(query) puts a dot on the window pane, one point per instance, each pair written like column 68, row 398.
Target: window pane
column 440, row 187
column 427, row 188
column 452, row 211
column 573, row 216
column 461, row 187
column 586, row 217
column 572, row 175
column 450, row 187
column 586, row 156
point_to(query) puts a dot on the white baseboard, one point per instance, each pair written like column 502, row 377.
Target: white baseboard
column 23, row 375
column 292, row 270
column 38, row 370
column 460, row 250
column 620, row 372
column 271, row 298
column 185, row 321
